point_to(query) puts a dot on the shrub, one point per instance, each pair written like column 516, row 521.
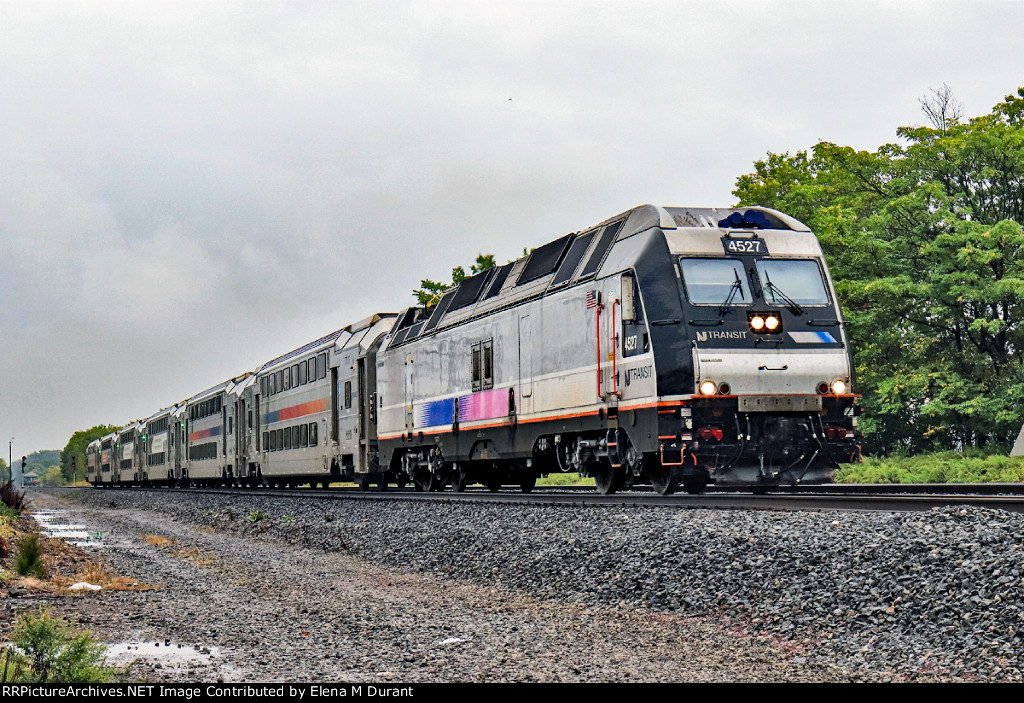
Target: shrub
column 937, row 467
column 49, row 651
column 257, row 515
column 28, row 562
column 12, row 497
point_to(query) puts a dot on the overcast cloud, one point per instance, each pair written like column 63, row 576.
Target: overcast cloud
column 190, row 189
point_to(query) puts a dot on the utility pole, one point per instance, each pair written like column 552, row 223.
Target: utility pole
column 10, row 458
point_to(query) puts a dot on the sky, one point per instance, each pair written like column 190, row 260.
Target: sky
column 188, row 190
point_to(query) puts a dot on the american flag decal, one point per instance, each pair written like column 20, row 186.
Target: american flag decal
column 593, row 299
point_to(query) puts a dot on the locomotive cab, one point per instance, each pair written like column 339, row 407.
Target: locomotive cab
column 770, row 399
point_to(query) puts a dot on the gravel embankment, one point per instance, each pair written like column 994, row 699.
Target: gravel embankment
column 556, row 593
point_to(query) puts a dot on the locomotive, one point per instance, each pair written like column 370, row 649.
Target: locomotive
column 675, row 347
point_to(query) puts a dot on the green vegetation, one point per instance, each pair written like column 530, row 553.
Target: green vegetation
column 53, row 477
column 938, row 467
column 47, row 650
column 75, row 448
column 564, row 480
column 924, row 240
column 430, row 292
column 257, row 515
column 28, row 560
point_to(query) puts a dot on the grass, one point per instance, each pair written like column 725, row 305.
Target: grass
column 938, row 467
column 158, row 541
column 196, row 556
column 560, row 479
column 28, row 561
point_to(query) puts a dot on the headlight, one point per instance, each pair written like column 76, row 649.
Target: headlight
column 708, row 387
column 771, row 323
column 757, row 323
column 839, row 386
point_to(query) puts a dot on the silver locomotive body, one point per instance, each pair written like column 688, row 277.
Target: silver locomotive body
column 628, row 352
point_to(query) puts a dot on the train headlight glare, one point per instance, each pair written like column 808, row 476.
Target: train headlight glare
column 708, row 387
column 771, row 322
column 757, row 322
column 839, row 386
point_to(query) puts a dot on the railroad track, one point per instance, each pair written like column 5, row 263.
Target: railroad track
column 836, row 497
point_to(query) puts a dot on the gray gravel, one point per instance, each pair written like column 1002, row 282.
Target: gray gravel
column 568, row 593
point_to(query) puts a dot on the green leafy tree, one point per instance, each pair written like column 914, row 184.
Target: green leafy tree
column 53, row 477
column 926, row 245
column 76, row 447
column 430, row 291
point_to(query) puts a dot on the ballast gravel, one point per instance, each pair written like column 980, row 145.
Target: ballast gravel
column 364, row 590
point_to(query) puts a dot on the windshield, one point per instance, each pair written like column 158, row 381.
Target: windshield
column 800, row 280
column 713, row 281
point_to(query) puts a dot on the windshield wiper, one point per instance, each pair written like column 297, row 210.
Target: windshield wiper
column 793, row 306
column 737, row 285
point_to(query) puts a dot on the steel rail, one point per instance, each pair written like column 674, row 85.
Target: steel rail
column 832, row 501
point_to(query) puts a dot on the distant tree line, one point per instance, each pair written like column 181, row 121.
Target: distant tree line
column 75, row 449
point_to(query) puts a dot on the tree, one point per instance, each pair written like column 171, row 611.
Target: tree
column 430, row 291
column 925, row 243
column 76, row 447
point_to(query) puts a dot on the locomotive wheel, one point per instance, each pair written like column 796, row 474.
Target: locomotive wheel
column 493, row 484
column 436, row 483
column 423, row 481
column 607, row 478
column 665, row 480
column 460, row 481
column 364, row 483
column 695, row 483
column 527, row 482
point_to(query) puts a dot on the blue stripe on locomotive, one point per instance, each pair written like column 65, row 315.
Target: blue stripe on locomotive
column 436, row 412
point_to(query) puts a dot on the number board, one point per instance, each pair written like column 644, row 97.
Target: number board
column 736, row 245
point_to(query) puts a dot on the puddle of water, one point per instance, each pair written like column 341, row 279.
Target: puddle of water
column 165, row 654
column 54, row 524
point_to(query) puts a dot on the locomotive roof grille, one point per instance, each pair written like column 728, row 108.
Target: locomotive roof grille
column 544, row 259
column 439, row 311
column 572, row 259
column 469, row 290
column 499, row 280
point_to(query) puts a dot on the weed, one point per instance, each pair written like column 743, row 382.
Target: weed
column 328, row 518
column 28, row 562
column 257, row 515
column 93, row 572
column 49, row 651
column 12, row 497
column 158, row 541
column 289, row 518
column 195, row 556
